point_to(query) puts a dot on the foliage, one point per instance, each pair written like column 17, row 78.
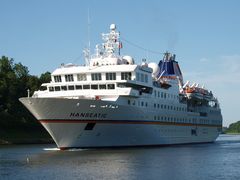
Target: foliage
column 234, row 128
column 15, row 80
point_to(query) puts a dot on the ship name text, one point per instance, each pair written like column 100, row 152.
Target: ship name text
column 88, row 115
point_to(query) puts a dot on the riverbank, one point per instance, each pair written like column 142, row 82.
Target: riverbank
column 24, row 136
column 232, row 133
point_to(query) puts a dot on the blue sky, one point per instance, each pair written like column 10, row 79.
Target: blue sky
column 204, row 35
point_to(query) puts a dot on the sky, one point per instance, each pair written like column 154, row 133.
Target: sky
column 204, row 35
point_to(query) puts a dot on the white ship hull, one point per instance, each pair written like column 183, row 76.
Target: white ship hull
column 111, row 125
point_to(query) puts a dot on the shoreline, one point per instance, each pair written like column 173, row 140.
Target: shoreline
column 26, row 141
column 232, row 133
column 24, row 134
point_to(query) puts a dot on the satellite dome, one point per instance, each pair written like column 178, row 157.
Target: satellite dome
column 113, row 27
column 155, row 68
column 128, row 59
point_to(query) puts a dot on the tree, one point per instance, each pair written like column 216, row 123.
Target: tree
column 20, row 70
column 45, row 77
column 14, row 83
column 7, row 82
column 234, row 128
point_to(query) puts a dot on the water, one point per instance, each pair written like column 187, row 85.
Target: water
column 219, row 160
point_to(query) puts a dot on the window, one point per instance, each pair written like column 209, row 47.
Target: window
column 70, row 87
column 142, row 77
column 102, row 86
column 43, row 88
column 57, row 88
column 69, row 77
column 110, row 76
column 137, row 76
column 134, row 102
column 57, row 79
column 96, row 76
column 89, row 126
column 111, row 86
column 81, row 77
column 146, row 78
column 63, row 88
column 94, row 86
column 51, row 89
column 78, row 86
column 126, row 76
column 86, row 86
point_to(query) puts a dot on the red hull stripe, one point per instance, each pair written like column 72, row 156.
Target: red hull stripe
column 44, row 121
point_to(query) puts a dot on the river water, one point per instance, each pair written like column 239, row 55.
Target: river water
column 219, row 160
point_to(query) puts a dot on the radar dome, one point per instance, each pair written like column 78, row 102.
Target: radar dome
column 155, row 68
column 113, row 27
column 128, row 60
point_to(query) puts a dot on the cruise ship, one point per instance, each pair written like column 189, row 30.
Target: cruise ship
column 113, row 102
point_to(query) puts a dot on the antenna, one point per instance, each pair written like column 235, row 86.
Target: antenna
column 89, row 44
column 87, row 51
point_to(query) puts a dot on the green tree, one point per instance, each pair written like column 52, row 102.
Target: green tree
column 14, row 83
column 45, row 77
column 234, row 128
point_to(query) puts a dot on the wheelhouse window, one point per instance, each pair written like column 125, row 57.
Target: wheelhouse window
column 94, row 86
column 57, row 88
column 43, row 88
column 96, row 76
column 70, row 87
column 86, row 86
column 64, row 88
column 69, row 77
column 51, row 89
column 57, row 79
column 81, row 77
column 111, row 86
column 110, row 76
column 102, row 86
column 126, row 76
column 78, row 87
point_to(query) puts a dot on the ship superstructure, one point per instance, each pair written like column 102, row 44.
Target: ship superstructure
column 111, row 101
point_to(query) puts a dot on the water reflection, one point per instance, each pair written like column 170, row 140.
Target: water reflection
column 218, row 160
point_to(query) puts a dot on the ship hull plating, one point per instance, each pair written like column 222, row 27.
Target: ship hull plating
column 84, row 123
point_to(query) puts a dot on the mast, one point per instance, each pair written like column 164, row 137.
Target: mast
column 89, row 43
column 87, row 51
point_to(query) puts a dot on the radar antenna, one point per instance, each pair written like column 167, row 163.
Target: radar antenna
column 87, row 51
